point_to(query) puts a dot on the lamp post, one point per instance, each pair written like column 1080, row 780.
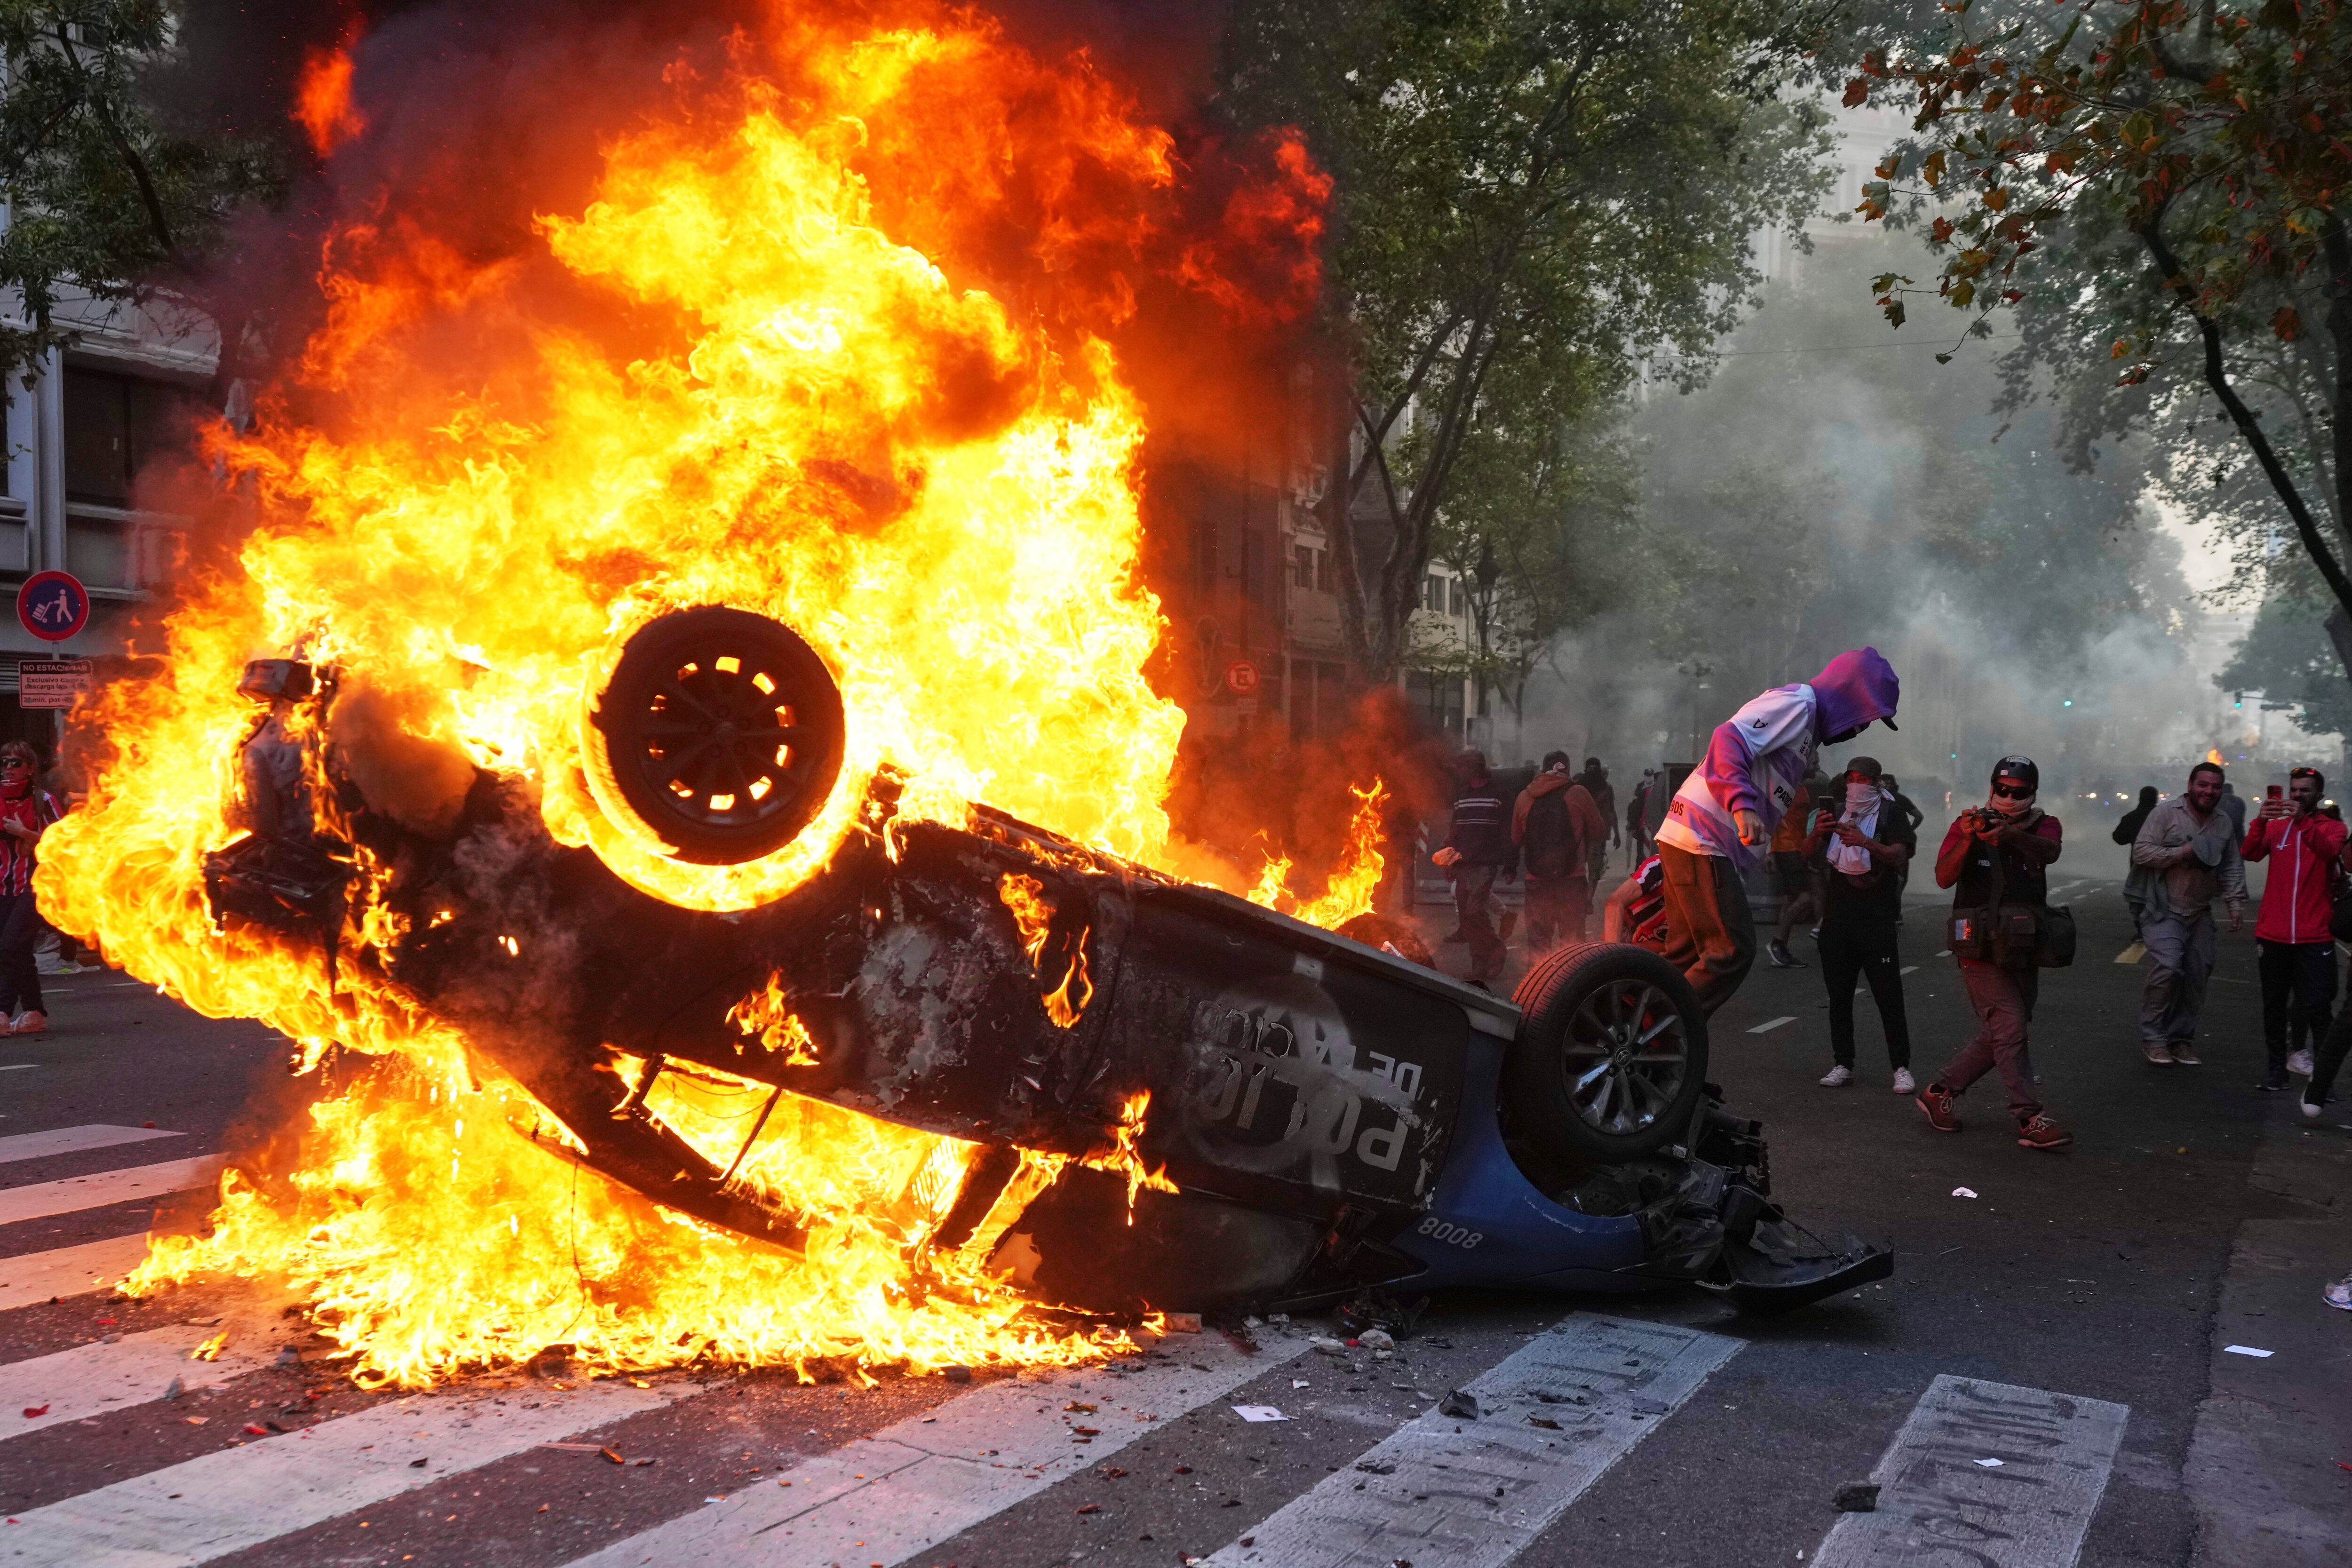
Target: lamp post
column 1482, row 605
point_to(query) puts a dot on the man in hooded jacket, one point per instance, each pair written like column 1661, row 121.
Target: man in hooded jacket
column 1557, row 826
column 1720, row 822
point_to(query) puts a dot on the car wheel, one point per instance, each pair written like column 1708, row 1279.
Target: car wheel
column 718, row 737
column 1611, row 1059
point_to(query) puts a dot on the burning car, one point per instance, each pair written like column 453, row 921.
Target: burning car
column 1174, row 1096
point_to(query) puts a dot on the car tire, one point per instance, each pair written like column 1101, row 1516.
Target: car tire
column 718, row 737
column 1611, row 1059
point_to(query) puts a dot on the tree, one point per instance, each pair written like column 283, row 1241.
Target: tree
column 2287, row 656
column 2155, row 186
column 114, row 206
column 1548, row 197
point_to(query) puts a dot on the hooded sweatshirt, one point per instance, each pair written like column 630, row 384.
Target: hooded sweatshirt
column 1761, row 754
column 2299, row 897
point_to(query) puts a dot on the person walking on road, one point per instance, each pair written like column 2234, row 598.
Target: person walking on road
column 1638, row 847
column 2188, row 845
column 2297, row 955
column 2136, row 881
column 1720, row 822
column 1555, row 823
column 1793, row 875
column 1477, row 851
column 1595, row 780
column 1867, row 842
column 27, row 812
column 1996, row 858
column 1912, row 817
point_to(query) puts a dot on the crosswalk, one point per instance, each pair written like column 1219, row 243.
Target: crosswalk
column 1492, row 1473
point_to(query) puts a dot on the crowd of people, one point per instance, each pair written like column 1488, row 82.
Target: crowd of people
column 1838, row 851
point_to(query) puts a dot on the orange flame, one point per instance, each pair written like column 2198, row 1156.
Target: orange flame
column 820, row 411
column 1121, row 1158
column 2213, row 755
column 1349, row 889
column 322, row 100
column 767, row 1017
column 1033, row 917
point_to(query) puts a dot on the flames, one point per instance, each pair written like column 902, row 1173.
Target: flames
column 1350, row 891
column 322, row 100
column 822, row 408
column 1121, row 1156
column 1032, row 916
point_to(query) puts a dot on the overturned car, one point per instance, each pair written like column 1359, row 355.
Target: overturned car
column 1323, row 1115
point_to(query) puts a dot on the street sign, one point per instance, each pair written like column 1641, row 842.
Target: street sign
column 1241, row 678
column 51, row 682
column 53, row 606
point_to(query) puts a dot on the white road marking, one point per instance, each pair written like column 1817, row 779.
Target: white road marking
column 72, row 1140
column 2133, row 953
column 900, row 1492
column 1770, row 1024
column 239, row 1498
column 1938, row 1502
column 1448, row 1492
column 43, row 1199
column 1908, row 969
column 31, row 1277
column 103, row 1379
column 1946, row 953
column 19, row 1067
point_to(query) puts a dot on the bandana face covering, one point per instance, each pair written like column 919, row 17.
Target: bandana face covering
column 1861, row 799
column 2009, row 805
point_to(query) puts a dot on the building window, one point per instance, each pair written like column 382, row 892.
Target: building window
column 115, row 426
column 1432, row 593
column 1460, row 599
column 1204, row 553
column 1302, row 574
column 1323, row 571
column 1254, row 563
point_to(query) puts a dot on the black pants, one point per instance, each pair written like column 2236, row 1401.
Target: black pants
column 1864, row 952
column 20, row 976
column 2298, row 993
column 2328, row 1058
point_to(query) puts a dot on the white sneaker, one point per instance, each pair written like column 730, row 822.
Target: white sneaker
column 1904, row 1082
column 1837, row 1078
column 2299, row 1063
column 2310, row 1111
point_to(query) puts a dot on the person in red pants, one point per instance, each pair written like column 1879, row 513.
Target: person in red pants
column 1995, row 855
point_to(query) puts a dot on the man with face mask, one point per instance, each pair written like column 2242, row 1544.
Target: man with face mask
column 2298, row 956
column 1867, row 842
column 2191, row 845
column 1720, row 822
column 1995, row 855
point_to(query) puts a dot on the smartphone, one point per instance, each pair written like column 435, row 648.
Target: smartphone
column 2276, row 791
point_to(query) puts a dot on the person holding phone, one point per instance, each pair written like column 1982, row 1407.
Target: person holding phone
column 2297, row 955
column 1866, row 843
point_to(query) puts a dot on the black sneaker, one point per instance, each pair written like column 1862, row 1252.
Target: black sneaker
column 1777, row 952
column 2274, row 1081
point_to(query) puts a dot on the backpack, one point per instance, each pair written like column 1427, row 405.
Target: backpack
column 1550, row 841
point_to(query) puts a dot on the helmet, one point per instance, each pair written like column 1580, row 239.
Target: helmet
column 2021, row 769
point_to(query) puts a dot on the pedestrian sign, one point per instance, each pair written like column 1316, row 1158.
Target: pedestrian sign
column 53, row 606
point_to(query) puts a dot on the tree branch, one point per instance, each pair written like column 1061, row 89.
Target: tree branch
column 2250, row 428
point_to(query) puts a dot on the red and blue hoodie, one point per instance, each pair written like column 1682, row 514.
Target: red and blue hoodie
column 1761, row 754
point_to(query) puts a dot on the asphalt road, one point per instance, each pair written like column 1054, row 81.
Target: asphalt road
column 2084, row 1298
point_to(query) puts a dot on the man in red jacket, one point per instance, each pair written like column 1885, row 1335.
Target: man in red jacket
column 2298, row 956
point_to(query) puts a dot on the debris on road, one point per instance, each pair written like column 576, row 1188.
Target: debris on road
column 1183, row 1323
column 33, row 1410
column 1325, row 1344
column 1377, row 1339
column 1860, row 1497
column 1459, row 1405
column 1964, row 1191
column 1989, row 1464
column 2247, row 1350
column 1259, row 1413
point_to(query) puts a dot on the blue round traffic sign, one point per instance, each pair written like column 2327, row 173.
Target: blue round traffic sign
column 53, row 606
